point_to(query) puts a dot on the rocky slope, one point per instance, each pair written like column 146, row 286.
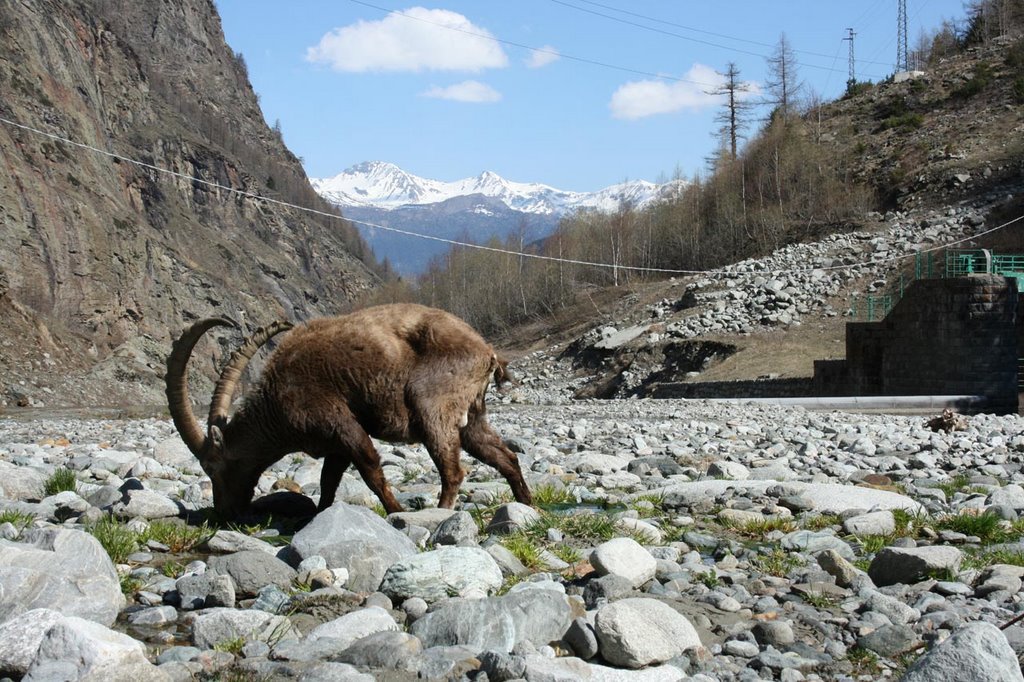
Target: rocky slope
column 102, row 260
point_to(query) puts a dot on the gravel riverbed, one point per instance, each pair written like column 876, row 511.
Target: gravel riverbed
column 671, row 540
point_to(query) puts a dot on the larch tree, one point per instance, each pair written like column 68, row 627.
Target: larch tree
column 783, row 85
column 733, row 117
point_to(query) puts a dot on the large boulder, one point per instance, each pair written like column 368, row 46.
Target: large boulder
column 20, row 638
column 534, row 615
column 445, row 572
column 977, row 652
column 356, row 539
column 634, row 633
column 78, row 649
column 61, row 569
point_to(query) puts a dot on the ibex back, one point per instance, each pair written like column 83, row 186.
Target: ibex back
column 402, row 373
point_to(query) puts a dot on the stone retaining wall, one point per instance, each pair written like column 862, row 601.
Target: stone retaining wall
column 953, row 336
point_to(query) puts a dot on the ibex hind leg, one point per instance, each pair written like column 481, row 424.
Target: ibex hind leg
column 443, row 445
column 483, row 443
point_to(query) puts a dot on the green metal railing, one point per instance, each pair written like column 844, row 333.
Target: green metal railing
column 954, row 263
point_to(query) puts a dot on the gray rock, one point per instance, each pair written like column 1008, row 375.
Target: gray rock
column 634, row 633
column 444, row 572
column 252, row 570
column 206, row 590
column 429, row 518
column 889, row 640
column 511, row 517
column 531, row 615
column 389, row 650
column 457, row 529
column 892, row 608
column 893, row 565
column 61, row 569
column 874, row 523
column 777, row 633
column 231, row 541
column 356, row 539
column 507, row 561
column 20, row 482
column 582, row 639
column 608, row 587
column 146, row 504
column 845, row 573
column 79, row 649
column 355, row 625
column 814, row 542
column 156, row 615
column 328, row 671
column 977, row 652
column 219, row 625
column 20, row 638
column 624, row 557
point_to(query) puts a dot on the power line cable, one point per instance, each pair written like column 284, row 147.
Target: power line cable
column 678, row 35
column 481, row 247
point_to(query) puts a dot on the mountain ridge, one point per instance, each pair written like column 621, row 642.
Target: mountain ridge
column 384, row 185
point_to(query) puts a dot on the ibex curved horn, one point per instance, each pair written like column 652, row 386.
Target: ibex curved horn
column 236, row 365
column 177, row 384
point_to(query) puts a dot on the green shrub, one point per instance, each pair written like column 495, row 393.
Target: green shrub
column 979, row 81
column 1018, row 90
column 907, row 121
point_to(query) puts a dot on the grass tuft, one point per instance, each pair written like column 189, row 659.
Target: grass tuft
column 177, row 536
column 778, row 562
column 60, row 480
column 987, row 526
column 19, row 519
column 116, row 538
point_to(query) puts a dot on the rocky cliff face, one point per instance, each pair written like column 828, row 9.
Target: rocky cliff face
column 103, row 261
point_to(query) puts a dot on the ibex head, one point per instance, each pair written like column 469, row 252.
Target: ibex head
column 233, row 481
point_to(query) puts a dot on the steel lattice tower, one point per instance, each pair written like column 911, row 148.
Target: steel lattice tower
column 853, row 63
column 902, row 55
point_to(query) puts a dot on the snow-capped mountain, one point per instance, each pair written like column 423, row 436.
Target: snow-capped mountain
column 384, row 185
column 474, row 209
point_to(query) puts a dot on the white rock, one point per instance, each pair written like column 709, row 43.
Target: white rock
column 624, row 557
column 634, row 633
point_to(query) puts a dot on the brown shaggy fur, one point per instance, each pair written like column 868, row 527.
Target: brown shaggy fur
column 401, row 373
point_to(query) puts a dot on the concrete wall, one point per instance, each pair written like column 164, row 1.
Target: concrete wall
column 945, row 337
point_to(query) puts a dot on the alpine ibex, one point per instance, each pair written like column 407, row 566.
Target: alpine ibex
column 402, row 373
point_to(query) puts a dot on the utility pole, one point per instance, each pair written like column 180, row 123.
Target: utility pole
column 852, row 80
column 902, row 57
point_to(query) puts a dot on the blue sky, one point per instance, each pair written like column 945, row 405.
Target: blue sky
column 447, row 90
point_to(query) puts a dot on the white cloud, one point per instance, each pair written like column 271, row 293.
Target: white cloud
column 466, row 91
column 414, row 40
column 639, row 99
column 542, row 56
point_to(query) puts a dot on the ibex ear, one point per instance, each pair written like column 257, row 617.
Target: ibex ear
column 216, row 441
